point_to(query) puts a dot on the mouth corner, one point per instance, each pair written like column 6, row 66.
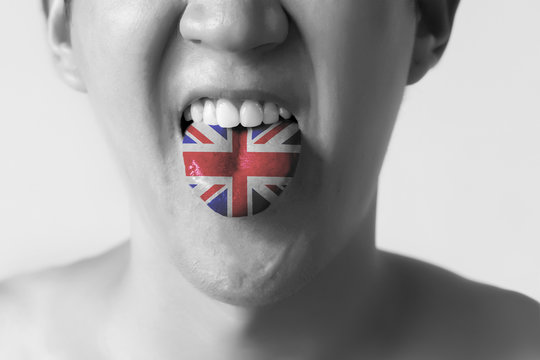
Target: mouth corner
column 184, row 124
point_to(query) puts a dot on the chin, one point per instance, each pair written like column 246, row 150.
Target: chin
column 238, row 279
column 247, row 291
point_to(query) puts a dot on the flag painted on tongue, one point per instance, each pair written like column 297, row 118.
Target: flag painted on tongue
column 240, row 171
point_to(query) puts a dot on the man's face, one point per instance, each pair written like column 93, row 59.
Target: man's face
column 341, row 69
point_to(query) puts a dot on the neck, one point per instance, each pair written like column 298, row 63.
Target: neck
column 161, row 310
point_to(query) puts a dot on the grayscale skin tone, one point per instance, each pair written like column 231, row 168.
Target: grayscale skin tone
column 303, row 279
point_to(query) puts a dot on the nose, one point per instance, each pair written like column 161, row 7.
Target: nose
column 235, row 25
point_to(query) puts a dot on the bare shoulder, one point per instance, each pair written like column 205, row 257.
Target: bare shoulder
column 36, row 307
column 465, row 318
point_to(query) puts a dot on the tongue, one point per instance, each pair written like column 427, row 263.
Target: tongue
column 240, row 171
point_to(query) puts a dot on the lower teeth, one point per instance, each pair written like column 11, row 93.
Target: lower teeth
column 240, row 171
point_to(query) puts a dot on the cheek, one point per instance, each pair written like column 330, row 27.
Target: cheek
column 118, row 46
column 361, row 65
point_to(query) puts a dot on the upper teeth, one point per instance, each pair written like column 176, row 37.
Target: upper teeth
column 225, row 113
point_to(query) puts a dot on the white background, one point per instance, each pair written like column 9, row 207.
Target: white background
column 460, row 187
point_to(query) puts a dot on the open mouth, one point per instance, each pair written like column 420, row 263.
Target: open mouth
column 239, row 155
column 232, row 113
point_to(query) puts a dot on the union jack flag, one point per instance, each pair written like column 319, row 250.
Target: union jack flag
column 241, row 171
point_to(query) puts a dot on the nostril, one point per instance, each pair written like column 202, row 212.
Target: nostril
column 265, row 47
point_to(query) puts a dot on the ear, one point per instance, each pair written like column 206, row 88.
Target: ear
column 434, row 26
column 58, row 36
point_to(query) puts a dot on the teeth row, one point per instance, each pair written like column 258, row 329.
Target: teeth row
column 224, row 113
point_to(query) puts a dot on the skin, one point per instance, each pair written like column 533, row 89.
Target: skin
column 301, row 280
column 139, row 74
